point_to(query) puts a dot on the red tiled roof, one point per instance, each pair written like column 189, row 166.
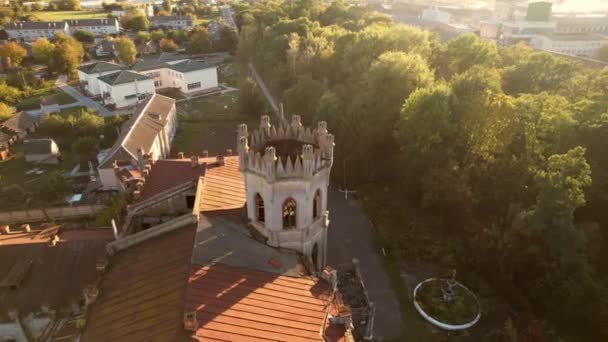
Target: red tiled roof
column 224, row 186
column 34, row 236
column 239, row 304
column 141, row 296
column 168, row 173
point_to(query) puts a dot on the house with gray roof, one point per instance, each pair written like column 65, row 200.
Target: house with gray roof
column 20, row 125
column 32, row 30
column 125, row 88
column 41, row 151
column 99, row 27
column 88, row 74
column 146, row 135
column 177, row 22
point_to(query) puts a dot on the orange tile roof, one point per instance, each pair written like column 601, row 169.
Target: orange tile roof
column 239, row 304
column 141, row 295
column 224, row 185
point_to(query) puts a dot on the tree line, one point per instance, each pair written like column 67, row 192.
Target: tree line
column 504, row 144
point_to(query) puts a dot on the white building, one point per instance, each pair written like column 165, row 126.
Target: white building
column 581, row 24
column 434, row 14
column 41, row 151
column 31, row 30
column 147, row 136
column 514, row 31
column 177, row 71
column 586, row 45
column 99, row 27
column 172, row 22
column 125, row 88
column 286, row 172
column 88, row 75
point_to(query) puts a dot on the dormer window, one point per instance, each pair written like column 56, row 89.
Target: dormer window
column 289, row 214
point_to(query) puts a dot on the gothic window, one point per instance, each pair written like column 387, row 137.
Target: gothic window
column 316, row 205
column 289, row 214
column 259, row 209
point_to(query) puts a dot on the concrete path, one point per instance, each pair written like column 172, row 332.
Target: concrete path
column 81, row 99
column 262, row 86
column 350, row 236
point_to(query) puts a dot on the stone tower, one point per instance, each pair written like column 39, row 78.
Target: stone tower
column 286, row 172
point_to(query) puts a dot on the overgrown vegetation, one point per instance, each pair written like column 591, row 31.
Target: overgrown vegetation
column 502, row 146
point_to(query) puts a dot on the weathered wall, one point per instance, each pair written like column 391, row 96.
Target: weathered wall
column 49, row 214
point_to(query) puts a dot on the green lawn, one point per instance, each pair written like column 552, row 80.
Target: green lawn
column 33, row 102
column 62, row 15
column 214, row 107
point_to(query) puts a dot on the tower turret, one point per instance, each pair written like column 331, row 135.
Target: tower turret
column 286, row 171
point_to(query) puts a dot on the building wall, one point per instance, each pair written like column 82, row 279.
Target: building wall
column 30, row 35
column 93, row 83
column 107, row 176
column 126, row 94
column 206, row 77
column 588, row 48
column 99, row 31
column 182, row 24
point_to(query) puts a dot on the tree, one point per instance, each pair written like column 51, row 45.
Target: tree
column 89, row 124
column 164, row 13
column 143, row 36
column 43, row 50
column 52, row 187
column 84, row 36
column 168, row 45
column 602, row 53
column 157, row 35
column 126, row 50
column 68, row 5
column 251, row 102
column 228, row 40
column 136, row 22
column 67, row 56
column 86, row 148
column 198, row 41
column 9, row 95
column 541, row 72
column 167, row 4
column 463, row 52
column 5, row 111
column 302, row 98
column 13, row 51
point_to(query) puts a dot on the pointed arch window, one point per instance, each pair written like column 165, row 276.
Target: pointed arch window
column 259, row 209
column 289, row 214
column 316, row 205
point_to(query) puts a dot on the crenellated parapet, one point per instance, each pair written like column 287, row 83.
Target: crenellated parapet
column 289, row 151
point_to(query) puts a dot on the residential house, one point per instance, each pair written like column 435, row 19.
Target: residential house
column 49, row 104
column 41, row 151
column 44, row 275
column 105, row 49
column 88, row 75
column 172, row 22
column 575, row 44
column 32, row 30
column 177, row 71
column 99, row 27
column 125, row 88
column 150, row 47
column 20, row 125
column 146, row 136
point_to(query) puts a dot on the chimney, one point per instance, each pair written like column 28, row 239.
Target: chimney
column 190, row 321
column 194, row 161
column 229, row 152
column 140, row 159
column 26, row 228
column 101, row 265
column 205, row 154
column 54, row 240
column 180, row 155
column 6, row 229
column 219, row 160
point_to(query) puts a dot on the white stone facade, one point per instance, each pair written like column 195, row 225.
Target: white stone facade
column 570, row 44
column 186, row 82
column 99, row 27
column 286, row 172
column 30, row 31
column 126, row 94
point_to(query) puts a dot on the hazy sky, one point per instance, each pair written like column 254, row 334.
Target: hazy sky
column 580, row 5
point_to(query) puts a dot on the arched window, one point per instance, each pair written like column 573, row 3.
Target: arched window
column 289, row 214
column 259, row 209
column 316, row 205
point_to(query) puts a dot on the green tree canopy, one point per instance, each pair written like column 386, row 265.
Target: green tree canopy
column 125, row 49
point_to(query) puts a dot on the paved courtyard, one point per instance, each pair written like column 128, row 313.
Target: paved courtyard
column 350, row 236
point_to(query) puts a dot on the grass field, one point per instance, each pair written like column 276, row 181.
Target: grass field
column 62, row 15
column 215, row 107
column 33, row 102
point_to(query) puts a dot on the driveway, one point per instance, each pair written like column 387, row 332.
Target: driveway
column 81, row 99
column 350, row 236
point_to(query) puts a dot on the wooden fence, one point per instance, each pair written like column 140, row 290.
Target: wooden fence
column 49, row 214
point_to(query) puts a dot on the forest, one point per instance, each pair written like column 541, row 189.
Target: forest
column 504, row 145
